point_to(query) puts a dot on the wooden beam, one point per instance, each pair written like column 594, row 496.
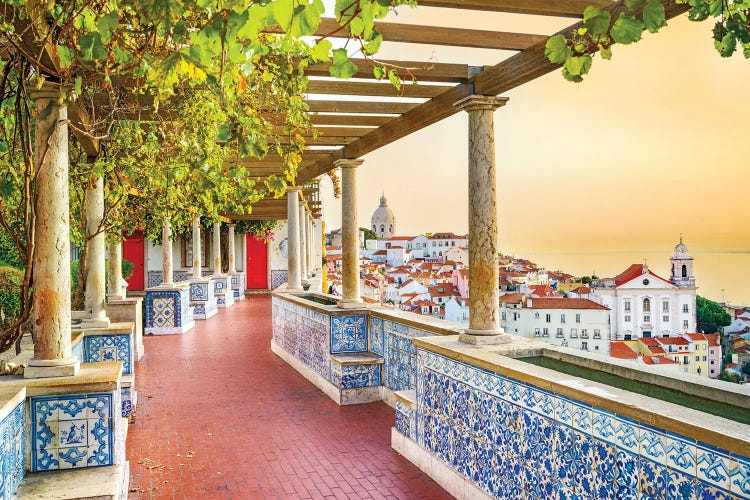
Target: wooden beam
column 435, row 35
column 356, row 120
column 328, row 106
column 557, row 8
column 423, row 71
column 343, row 87
column 331, row 131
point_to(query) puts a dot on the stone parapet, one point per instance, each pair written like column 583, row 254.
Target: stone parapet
column 223, row 290
column 238, row 285
column 203, row 298
column 129, row 310
column 168, row 310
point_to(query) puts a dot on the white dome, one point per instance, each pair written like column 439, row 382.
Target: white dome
column 383, row 213
column 681, row 250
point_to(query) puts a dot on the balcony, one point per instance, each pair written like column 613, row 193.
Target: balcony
column 446, row 396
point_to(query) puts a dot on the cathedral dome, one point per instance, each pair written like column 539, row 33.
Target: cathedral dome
column 681, row 250
column 383, row 221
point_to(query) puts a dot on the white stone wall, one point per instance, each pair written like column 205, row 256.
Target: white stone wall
column 277, row 256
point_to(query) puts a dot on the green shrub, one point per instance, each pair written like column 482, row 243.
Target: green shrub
column 10, row 288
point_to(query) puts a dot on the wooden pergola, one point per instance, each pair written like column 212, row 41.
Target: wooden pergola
column 355, row 121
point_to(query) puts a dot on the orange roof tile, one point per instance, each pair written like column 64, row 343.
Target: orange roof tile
column 619, row 349
column 560, row 303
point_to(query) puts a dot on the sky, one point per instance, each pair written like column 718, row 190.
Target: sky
column 653, row 144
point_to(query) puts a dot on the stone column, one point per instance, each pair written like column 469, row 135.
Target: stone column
column 310, row 245
column 197, row 264
column 216, row 250
column 303, row 244
column 114, row 269
column 484, row 307
column 95, row 291
column 349, row 233
column 166, row 253
column 53, row 356
column 294, row 283
column 231, row 250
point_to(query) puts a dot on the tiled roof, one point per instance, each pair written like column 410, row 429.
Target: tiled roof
column 633, row 272
column 560, row 303
column 619, row 349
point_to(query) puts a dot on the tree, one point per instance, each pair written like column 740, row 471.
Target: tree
column 369, row 233
column 729, row 377
column 710, row 316
column 746, row 369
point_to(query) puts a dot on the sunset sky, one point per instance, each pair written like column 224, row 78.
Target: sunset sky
column 652, row 144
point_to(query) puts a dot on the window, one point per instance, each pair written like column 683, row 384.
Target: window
column 573, row 333
column 502, row 315
column 537, row 332
column 628, row 337
column 712, row 362
column 627, row 306
column 685, row 324
column 559, row 333
column 515, row 316
column 665, row 319
column 704, row 358
column 187, row 250
column 685, row 360
column 627, row 319
column 584, row 333
column 646, row 305
column 562, row 318
column 646, row 319
column 585, row 346
column 685, row 308
column 665, row 306
column 536, row 315
column 545, row 332
column 549, row 318
column 597, row 334
column 578, row 318
column 684, row 271
column 433, row 243
column 596, row 347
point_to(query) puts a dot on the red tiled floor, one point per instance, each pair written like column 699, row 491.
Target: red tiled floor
column 220, row 416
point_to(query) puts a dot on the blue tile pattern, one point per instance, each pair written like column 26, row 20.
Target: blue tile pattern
column 278, row 278
column 514, row 440
column 99, row 348
column 376, row 332
column 304, row 333
column 198, row 292
column 400, row 355
column 128, row 401
column 405, row 420
column 78, row 350
column 12, row 450
column 168, row 311
column 348, row 334
column 73, row 431
column 355, row 376
column 156, row 278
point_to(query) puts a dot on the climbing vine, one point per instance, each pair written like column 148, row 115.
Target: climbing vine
column 575, row 50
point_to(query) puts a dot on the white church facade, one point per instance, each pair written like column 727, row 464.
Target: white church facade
column 643, row 304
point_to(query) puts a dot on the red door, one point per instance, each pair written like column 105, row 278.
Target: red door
column 256, row 264
column 132, row 251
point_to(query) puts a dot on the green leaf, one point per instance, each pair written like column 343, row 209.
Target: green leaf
column 379, row 71
column 66, row 55
column 342, row 67
column 654, row 16
column 571, row 78
column 282, row 12
column 605, row 52
column 727, row 45
column 122, row 56
column 578, row 65
column 373, row 45
column 596, row 20
column 627, row 29
column 632, row 5
column 6, row 188
column 394, row 79
column 716, row 8
column 107, row 25
column 321, row 50
column 557, row 50
column 91, row 47
column 78, row 84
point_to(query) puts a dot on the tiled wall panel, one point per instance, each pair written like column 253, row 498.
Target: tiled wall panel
column 12, row 447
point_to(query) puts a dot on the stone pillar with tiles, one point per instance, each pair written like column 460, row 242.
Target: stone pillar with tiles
column 236, row 278
column 303, row 243
column 349, row 234
column 294, row 283
column 484, row 307
column 222, row 282
column 95, row 315
column 53, row 355
column 202, row 296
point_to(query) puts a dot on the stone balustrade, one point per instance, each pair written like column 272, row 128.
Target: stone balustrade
column 483, row 422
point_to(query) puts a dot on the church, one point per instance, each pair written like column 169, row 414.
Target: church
column 643, row 304
column 383, row 222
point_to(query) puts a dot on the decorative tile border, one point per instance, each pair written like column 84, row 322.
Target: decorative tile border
column 304, row 333
column 515, row 439
column 278, row 278
column 168, row 311
column 399, row 354
column 12, row 450
column 99, row 348
column 128, row 400
column 348, row 334
column 355, row 376
column 73, row 431
column 377, row 332
column 156, row 278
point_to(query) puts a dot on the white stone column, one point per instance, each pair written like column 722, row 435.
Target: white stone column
column 311, row 267
column 484, row 307
column 53, row 356
column 303, row 244
column 216, row 247
column 167, row 266
column 115, row 283
column 349, row 233
column 197, row 264
column 231, row 250
column 95, row 291
column 294, row 283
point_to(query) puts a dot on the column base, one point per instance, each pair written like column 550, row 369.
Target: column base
column 88, row 323
column 351, row 304
column 484, row 337
column 44, row 368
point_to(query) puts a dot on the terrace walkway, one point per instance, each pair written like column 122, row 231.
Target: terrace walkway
column 220, row 416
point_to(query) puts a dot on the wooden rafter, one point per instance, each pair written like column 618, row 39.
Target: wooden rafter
column 558, row 8
column 385, row 89
column 424, row 71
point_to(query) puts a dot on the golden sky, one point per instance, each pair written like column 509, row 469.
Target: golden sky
column 652, row 144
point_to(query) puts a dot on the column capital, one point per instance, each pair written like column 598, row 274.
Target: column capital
column 231, row 225
column 348, row 163
column 293, row 189
column 480, row 102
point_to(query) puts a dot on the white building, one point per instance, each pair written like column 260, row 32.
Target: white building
column 576, row 323
column 457, row 310
column 643, row 304
column 440, row 243
column 458, row 254
column 420, row 246
column 383, row 222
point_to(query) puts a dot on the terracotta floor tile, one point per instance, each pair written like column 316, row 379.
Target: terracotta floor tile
column 247, row 426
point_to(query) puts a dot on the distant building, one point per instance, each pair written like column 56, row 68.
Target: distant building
column 693, row 353
column 440, row 243
column 383, row 221
column 643, row 304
